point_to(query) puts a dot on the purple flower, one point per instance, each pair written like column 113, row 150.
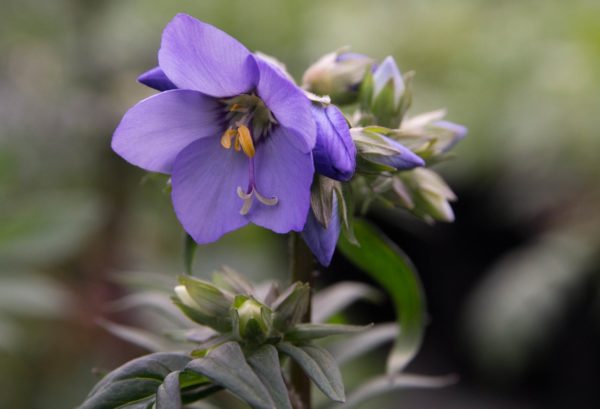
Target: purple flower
column 334, row 152
column 335, row 158
column 321, row 240
column 234, row 134
column 403, row 159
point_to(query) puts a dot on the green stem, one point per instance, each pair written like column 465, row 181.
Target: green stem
column 302, row 267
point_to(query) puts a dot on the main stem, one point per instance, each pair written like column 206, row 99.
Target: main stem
column 302, row 267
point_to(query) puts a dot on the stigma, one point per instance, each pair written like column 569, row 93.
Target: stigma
column 241, row 138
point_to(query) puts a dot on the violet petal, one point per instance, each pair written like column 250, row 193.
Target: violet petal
column 405, row 160
column 205, row 179
column 322, row 241
column 157, row 79
column 334, row 153
column 289, row 105
column 155, row 130
column 195, row 55
column 283, row 172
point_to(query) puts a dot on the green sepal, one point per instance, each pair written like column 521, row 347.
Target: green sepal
column 291, row 306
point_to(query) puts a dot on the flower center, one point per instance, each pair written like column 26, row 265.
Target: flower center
column 244, row 113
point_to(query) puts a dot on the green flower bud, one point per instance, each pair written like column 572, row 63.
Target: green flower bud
column 430, row 194
column 429, row 135
column 254, row 319
column 385, row 95
column 338, row 75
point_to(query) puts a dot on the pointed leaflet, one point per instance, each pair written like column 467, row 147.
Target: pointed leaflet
column 307, row 332
column 226, row 366
column 385, row 384
column 335, row 298
column 137, row 381
column 352, row 347
column 168, row 396
column 265, row 362
column 319, row 365
column 389, row 266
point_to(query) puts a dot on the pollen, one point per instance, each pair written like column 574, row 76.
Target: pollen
column 226, row 138
column 245, row 139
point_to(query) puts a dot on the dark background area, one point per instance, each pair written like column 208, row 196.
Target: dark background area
column 512, row 286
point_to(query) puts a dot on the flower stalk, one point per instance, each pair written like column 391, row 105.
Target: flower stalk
column 301, row 268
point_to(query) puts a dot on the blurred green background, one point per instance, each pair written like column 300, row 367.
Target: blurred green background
column 513, row 285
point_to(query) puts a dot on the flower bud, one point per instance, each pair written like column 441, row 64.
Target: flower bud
column 254, row 319
column 384, row 95
column 338, row 75
column 375, row 148
column 430, row 195
column 203, row 303
column 429, row 135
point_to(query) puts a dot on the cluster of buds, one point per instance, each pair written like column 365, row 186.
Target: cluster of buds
column 393, row 150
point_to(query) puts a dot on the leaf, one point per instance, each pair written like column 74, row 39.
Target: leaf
column 335, row 298
column 227, row 278
column 352, row 347
column 137, row 336
column 265, row 363
column 168, row 396
column 226, row 366
column 390, row 267
column 320, row 366
column 307, row 332
column 189, row 251
column 136, row 382
column 291, row 306
column 150, row 300
column 346, row 210
column 386, row 384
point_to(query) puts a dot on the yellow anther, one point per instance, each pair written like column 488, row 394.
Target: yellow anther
column 236, row 144
column 226, row 138
column 246, row 140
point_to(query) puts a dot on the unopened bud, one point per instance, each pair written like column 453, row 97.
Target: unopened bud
column 254, row 319
column 429, row 135
column 430, row 194
column 338, row 75
column 384, row 95
column 375, row 148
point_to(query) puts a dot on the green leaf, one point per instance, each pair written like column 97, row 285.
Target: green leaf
column 136, row 383
column 389, row 266
column 265, row 363
column 337, row 297
column 226, row 366
column 320, row 366
column 291, row 306
column 386, row 384
column 168, row 396
column 307, row 332
column 229, row 279
column 352, row 347
column 137, row 336
column 189, row 251
column 346, row 210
